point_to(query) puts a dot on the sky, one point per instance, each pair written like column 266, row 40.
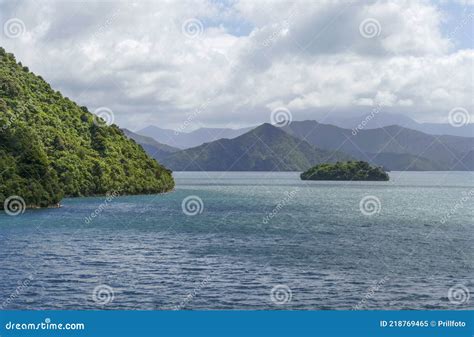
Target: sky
column 189, row 64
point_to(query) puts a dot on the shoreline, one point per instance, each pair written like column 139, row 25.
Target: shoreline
column 59, row 205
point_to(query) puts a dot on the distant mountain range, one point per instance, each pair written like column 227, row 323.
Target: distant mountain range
column 185, row 140
column 151, row 146
column 391, row 146
column 381, row 119
column 265, row 148
column 303, row 144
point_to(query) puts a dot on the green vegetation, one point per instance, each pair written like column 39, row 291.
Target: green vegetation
column 50, row 147
column 265, row 148
column 351, row 170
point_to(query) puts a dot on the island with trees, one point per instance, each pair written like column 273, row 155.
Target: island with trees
column 350, row 170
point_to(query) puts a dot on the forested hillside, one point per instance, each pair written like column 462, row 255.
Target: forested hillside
column 50, row 147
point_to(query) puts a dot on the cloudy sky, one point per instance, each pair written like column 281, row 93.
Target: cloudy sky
column 231, row 63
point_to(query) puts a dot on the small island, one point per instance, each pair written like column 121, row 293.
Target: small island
column 350, row 170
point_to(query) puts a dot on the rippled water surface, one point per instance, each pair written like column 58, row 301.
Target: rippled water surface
column 308, row 241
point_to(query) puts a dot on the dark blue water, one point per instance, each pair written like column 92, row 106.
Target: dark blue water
column 258, row 241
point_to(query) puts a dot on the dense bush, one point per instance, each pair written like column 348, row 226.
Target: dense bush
column 351, row 170
column 50, row 147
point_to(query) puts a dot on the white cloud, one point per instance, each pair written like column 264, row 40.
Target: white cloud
column 307, row 56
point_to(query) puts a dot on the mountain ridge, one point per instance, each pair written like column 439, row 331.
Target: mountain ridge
column 393, row 147
column 265, row 148
column 382, row 119
column 185, row 140
column 443, row 151
column 150, row 145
